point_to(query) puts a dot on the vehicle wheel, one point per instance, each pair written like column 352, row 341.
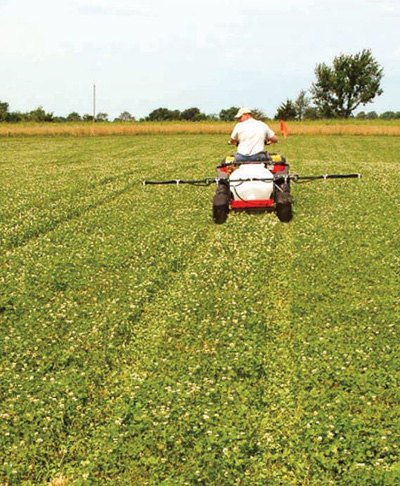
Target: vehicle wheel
column 284, row 212
column 220, row 208
column 283, row 200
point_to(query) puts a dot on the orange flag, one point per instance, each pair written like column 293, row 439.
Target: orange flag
column 284, row 129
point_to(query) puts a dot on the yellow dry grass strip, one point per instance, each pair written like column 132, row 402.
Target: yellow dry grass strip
column 114, row 129
column 104, row 129
column 344, row 130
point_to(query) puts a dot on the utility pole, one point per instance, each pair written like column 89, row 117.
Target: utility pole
column 94, row 103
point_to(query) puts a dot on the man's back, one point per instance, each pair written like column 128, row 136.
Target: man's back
column 251, row 135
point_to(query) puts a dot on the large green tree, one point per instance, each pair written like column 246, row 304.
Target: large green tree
column 353, row 80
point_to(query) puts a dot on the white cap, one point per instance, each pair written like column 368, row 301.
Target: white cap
column 242, row 111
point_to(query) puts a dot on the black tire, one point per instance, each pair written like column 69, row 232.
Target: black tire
column 284, row 212
column 220, row 208
column 283, row 200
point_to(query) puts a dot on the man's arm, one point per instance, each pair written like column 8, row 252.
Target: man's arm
column 234, row 139
column 270, row 136
column 273, row 139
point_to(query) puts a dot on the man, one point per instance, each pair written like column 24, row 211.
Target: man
column 250, row 135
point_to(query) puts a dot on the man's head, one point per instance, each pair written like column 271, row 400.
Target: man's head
column 244, row 114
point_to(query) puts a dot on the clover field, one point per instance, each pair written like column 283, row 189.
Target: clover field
column 142, row 344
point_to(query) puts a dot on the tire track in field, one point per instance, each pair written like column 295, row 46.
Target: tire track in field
column 177, row 267
column 184, row 273
column 78, row 191
column 72, row 214
column 166, row 349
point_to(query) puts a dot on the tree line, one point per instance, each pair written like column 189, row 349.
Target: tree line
column 299, row 109
column 159, row 114
column 40, row 115
column 352, row 81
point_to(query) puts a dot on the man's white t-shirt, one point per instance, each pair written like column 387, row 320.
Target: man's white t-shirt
column 251, row 135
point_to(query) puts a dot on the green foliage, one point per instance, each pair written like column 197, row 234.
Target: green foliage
column 163, row 114
column 39, row 115
column 353, row 80
column 3, row 111
column 299, row 109
column 125, row 116
column 228, row 114
column 258, row 114
column 312, row 113
column 102, row 117
column 302, row 104
column 142, row 344
column 286, row 111
column 372, row 115
column 74, row 116
column 390, row 115
column 192, row 114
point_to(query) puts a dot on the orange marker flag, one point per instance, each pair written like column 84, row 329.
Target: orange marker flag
column 284, row 129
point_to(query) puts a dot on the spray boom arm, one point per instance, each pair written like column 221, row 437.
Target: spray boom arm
column 278, row 178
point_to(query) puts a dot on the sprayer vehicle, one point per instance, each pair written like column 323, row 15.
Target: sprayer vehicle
column 253, row 186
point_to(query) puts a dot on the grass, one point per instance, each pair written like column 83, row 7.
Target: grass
column 142, row 344
column 320, row 127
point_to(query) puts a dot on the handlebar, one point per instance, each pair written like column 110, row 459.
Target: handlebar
column 244, row 162
column 266, row 142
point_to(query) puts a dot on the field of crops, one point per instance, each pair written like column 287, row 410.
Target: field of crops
column 307, row 127
column 142, row 344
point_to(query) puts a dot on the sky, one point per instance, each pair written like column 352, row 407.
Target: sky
column 212, row 54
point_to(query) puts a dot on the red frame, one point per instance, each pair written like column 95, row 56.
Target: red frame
column 257, row 203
